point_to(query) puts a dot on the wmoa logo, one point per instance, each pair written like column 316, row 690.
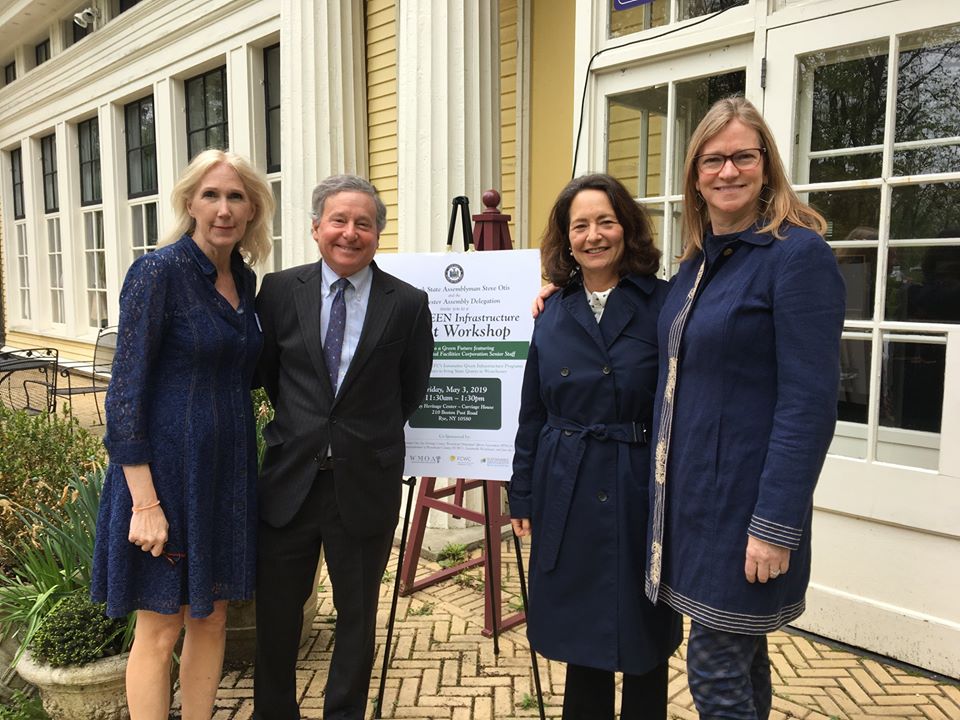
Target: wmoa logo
column 453, row 273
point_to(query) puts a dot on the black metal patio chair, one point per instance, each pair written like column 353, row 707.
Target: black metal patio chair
column 93, row 377
column 28, row 379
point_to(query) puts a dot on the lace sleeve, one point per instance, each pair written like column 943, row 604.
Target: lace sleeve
column 143, row 314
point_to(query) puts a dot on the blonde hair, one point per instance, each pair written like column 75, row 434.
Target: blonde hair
column 777, row 203
column 255, row 243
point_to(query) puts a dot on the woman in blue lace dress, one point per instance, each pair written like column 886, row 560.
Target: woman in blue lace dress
column 175, row 535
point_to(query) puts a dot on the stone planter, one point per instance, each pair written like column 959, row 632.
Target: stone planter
column 10, row 681
column 242, row 624
column 95, row 691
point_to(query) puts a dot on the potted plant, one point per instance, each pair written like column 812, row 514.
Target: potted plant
column 43, row 595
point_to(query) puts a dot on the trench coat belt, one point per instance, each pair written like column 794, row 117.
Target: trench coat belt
column 556, row 511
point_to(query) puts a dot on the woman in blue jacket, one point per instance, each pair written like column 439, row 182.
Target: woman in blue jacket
column 746, row 405
column 579, row 484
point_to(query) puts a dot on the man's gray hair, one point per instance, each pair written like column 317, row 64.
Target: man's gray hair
column 347, row 183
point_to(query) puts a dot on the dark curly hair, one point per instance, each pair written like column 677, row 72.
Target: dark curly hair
column 640, row 255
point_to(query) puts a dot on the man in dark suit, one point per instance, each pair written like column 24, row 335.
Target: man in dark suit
column 333, row 466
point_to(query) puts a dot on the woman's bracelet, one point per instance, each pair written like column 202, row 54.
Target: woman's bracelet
column 154, row 504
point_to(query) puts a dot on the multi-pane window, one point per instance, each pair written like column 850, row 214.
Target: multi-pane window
column 207, row 111
column 96, row 269
column 141, row 148
column 9, row 72
column 886, row 174
column 16, row 175
column 41, row 52
column 89, row 134
column 48, row 158
column 143, row 218
column 647, row 135
column 23, row 270
column 55, row 269
column 630, row 16
column 271, row 99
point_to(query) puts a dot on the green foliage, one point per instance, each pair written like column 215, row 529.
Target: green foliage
column 51, row 557
column 263, row 413
column 23, row 707
column 528, row 702
column 36, row 453
column 452, row 554
column 424, row 609
column 76, row 632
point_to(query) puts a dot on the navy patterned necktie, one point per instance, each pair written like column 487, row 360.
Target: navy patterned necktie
column 333, row 342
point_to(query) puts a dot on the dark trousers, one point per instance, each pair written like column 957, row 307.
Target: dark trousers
column 589, row 694
column 286, row 562
column 728, row 674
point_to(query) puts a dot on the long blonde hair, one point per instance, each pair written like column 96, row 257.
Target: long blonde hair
column 255, row 243
column 777, row 204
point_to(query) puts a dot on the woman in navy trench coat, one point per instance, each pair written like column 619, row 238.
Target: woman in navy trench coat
column 746, row 406
column 579, row 485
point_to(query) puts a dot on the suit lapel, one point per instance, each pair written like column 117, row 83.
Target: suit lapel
column 380, row 308
column 307, row 299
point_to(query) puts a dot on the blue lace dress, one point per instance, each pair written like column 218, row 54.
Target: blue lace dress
column 179, row 399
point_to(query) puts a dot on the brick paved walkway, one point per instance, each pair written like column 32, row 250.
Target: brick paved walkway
column 444, row 668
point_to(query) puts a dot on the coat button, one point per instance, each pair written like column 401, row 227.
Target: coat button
column 564, row 371
column 602, row 496
column 568, row 433
column 605, row 369
column 727, row 252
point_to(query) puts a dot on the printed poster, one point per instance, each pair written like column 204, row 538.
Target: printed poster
column 480, row 303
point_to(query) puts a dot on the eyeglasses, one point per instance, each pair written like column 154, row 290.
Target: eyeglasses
column 745, row 159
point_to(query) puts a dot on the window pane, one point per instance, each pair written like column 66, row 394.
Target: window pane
column 147, row 125
column 195, row 111
column 850, row 214
column 149, row 168
column 854, row 380
column 938, row 159
column 696, row 8
column 215, row 95
column 273, row 149
column 151, row 224
column 928, row 85
column 636, row 138
column 215, row 136
column 859, row 269
column 842, row 101
column 638, row 17
column 694, row 98
column 136, row 226
column 924, row 284
column 134, row 173
column 925, row 211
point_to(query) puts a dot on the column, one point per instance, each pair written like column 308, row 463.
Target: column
column 448, row 113
column 323, row 101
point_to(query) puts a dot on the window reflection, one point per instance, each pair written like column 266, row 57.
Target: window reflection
column 639, row 17
column 925, row 211
column 911, row 386
column 636, row 138
column 847, row 212
column 858, row 266
column 928, row 85
column 924, row 283
column 695, row 8
column 854, row 396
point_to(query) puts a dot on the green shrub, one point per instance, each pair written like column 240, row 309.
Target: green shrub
column 51, row 557
column 38, row 453
column 452, row 554
column 22, row 706
column 76, row 632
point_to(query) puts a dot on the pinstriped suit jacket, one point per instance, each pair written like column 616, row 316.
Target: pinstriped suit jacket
column 363, row 424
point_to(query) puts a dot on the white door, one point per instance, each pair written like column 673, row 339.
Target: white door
column 867, row 105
